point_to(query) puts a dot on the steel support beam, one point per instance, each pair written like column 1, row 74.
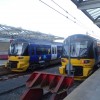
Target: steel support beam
column 97, row 22
column 91, row 4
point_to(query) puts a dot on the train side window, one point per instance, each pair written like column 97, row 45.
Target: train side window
column 59, row 50
column 49, row 51
column 98, row 50
column 53, row 50
column 32, row 51
column 41, row 50
column 38, row 51
column 46, row 50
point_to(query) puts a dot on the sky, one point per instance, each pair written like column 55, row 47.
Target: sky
column 36, row 16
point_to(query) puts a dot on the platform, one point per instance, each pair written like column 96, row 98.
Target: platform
column 2, row 62
column 88, row 90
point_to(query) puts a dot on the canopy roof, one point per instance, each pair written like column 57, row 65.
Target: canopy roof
column 9, row 32
column 91, row 8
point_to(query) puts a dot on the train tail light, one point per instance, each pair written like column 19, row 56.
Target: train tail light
column 63, row 60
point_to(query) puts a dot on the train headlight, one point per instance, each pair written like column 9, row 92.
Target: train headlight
column 85, row 61
column 20, row 57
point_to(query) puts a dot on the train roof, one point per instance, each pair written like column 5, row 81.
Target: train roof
column 84, row 36
column 33, row 41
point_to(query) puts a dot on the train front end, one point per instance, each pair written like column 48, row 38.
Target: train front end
column 18, row 59
column 81, row 56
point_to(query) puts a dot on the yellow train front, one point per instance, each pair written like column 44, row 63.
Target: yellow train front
column 84, row 54
column 18, row 59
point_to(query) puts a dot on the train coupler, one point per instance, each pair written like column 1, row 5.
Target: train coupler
column 39, row 82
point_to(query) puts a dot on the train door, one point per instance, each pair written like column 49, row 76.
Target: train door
column 53, row 52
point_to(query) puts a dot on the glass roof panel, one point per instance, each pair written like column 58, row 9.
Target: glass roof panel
column 94, row 12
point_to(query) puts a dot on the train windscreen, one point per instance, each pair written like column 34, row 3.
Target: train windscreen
column 76, row 47
column 17, row 48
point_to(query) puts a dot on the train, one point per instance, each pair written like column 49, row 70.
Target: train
column 82, row 53
column 24, row 54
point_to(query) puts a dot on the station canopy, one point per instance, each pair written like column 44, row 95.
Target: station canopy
column 91, row 8
column 9, row 32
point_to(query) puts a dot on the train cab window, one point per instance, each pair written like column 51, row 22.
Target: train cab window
column 16, row 48
column 19, row 48
column 25, row 53
column 76, row 48
column 25, row 49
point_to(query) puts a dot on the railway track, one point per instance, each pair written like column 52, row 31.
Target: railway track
column 18, row 90
column 16, row 93
column 6, row 73
column 11, row 76
column 4, row 70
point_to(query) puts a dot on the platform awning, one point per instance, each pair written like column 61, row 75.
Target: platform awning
column 91, row 8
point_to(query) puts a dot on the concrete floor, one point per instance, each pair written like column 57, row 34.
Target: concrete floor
column 88, row 90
